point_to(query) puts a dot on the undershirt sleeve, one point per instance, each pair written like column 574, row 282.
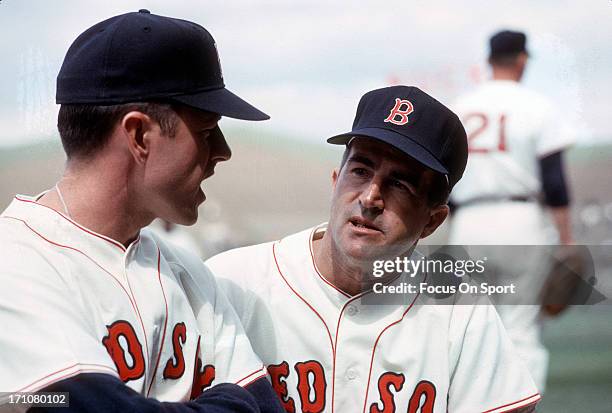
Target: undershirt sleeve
column 554, row 185
column 102, row 393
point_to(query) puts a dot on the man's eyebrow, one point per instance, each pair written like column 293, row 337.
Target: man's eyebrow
column 206, row 123
column 361, row 159
column 411, row 177
column 212, row 119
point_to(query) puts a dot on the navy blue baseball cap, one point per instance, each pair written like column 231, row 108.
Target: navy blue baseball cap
column 507, row 42
column 140, row 56
column 410, row 120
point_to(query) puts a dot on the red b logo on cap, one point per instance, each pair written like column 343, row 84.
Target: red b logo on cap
column 397, row 111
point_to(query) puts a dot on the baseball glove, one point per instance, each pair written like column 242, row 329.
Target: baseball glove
column 567, row 280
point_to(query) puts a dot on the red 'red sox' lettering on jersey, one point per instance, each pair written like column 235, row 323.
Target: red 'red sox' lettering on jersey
column 385, row 382
column 424, row 390
column 278, row 375
column 176, row 368
column 423, row 396
column 312, row 397
column 127, row 370
column 312, row 388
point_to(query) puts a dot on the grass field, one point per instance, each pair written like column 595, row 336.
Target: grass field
column 580, row 344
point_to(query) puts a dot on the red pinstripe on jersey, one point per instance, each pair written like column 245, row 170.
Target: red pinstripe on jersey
column 105, row 238
column 139, row 316
column 314, row 264
column 203, row 376
column 161, row 347
column 256, row 375
column 527, row 401
column 76, row 369
column 280, row 272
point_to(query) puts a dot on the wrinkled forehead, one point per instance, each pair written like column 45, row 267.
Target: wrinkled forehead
column 378, row 152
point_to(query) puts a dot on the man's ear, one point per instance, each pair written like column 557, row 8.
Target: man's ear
column 136, row 127
column 335, row 174
column 437, row 215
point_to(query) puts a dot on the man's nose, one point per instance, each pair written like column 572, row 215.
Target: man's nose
column 371, row 198
column 220, row 150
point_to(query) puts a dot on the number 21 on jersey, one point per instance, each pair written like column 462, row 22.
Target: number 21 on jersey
column 477, row 125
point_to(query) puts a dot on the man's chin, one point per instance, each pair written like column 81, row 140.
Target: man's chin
column 191, row 219
column 365, row 254
column 189, row 222
column 187, row 219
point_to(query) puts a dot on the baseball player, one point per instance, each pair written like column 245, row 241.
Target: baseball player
column 304, row 299
column 516, row 143
column 91, row 304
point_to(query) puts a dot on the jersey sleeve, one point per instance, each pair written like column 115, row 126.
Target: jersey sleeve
column 224, row 343
column 240, row 282
column 44, row 337
column 244, row 274
column 234, row 356
column 486, row 374
column 97, row 393
column 557, row 132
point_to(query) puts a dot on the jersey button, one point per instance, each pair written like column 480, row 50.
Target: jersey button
column 352, row 310
column 351, row 374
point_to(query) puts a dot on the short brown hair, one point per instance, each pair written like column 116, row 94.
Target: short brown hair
column 85, row 129
column 504, row 60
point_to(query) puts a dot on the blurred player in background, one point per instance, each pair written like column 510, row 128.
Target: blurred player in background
column 513, row 180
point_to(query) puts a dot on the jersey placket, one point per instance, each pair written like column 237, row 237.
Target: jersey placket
column 130, row 271
column 353, row 351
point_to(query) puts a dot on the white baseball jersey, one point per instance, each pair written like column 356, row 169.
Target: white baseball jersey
column 73, row 301
column 329, row 352
column 509, row 127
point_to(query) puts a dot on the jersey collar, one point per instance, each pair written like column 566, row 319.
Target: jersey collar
column 62, row 232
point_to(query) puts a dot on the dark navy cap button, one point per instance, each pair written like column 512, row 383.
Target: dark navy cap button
column 144, row 11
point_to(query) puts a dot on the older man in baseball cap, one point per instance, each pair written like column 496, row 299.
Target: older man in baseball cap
column 91, row 304
column 306, row 301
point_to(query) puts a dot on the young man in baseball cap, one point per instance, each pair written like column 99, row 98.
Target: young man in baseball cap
column 304, row 299
column 93, row 305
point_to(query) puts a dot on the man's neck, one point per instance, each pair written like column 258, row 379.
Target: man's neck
column 501, row 73
column 98, row 201
column 349, row 277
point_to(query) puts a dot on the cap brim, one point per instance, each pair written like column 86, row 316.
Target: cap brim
column 223, row 102
column 401, row 142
